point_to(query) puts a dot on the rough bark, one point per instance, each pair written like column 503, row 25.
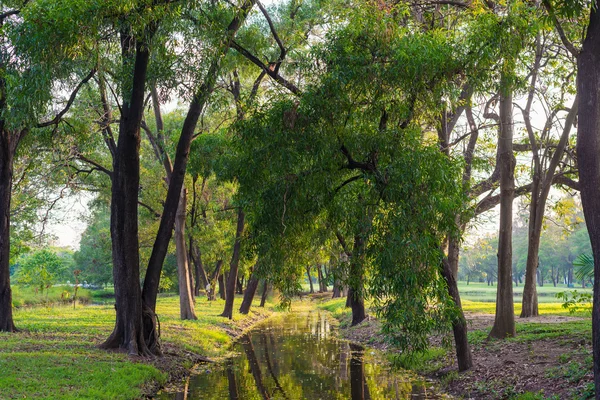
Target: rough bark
column 233, row 266
column 8, row 145
column 186, row 301
column 249, row 294
column 504, row 322
column 459, row 326
column 128, row 333
column 588, row 156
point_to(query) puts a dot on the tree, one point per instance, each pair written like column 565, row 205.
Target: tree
column 24, row 96
column 588, row 150
column 41, row 269
column 94, row 258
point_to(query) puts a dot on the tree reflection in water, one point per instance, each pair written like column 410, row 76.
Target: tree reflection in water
column 296, row 357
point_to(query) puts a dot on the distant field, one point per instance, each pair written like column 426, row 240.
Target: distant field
column 476, row 291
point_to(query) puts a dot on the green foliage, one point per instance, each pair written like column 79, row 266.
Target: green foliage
column 575, row 301
column 584, row 267
column 40, row 269
column 94, row 257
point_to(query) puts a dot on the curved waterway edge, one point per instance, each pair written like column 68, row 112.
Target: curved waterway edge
column 298, row 355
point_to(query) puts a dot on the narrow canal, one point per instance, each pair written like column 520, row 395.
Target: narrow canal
column 297, row 356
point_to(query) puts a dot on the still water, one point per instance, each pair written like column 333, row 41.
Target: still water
column 297, row 356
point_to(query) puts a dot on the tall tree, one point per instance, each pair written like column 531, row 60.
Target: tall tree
column 504, row 322
column 588, row 156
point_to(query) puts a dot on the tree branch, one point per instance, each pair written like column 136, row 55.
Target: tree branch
column 59, row 116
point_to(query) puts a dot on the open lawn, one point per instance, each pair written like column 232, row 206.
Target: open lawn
column 55, row 354
column 481, row 292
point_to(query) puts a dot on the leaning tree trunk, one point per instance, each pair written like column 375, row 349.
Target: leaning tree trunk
column 199, row 100
column 186, row 302
column 128, row 333
column 249, row 294
column 263, row 298
column 504, row 323
column 459, row 325
column 8, row 146
column 233, row 266
column 588, row 156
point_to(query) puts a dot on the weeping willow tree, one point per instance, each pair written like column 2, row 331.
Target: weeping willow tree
column 355, row 158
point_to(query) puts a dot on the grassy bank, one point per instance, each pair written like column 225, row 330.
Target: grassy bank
column 55, row 355
column 555, row 348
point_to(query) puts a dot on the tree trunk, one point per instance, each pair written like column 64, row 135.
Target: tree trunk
column 201, row 280
column 240, row 285
column 186, row 303
column 504, row 323
column 337, row 289
column 539, row 196
column 459, row 326
column 249, row 294
column 222, row 288
column 265, row 291
column 8, row 146
column 320, row 278
column 233, row 267
column 356, row 284
column 129, row 333
column 588, row 151
column 199, row 100
column 312, row 289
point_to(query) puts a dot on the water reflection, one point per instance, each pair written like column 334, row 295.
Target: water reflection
column 297, row 357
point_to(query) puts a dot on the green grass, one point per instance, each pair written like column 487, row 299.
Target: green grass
column 26, row 296
column 55, row 356
column 481, row 292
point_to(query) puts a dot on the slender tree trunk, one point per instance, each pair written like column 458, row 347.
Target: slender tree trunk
column 186, row 303
column 222, row 287
column 240, row 285
column 539, row 196
column 8, row 146
column 129, row 333
column 201, row 278
column 504, row 323
column 312, row 289
column 265, row 291
column 199, row 100
column 588, row 156
column 459, row 325
column 249, row 294
column 233, row 266
column 320, row 278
